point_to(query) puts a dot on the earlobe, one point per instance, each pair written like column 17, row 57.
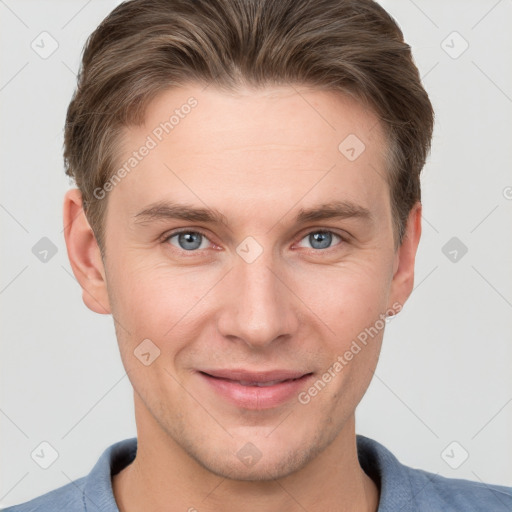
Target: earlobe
column 84, row 254
column 402, row 283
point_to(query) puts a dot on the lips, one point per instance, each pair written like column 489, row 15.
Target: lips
column 254, row 376
column 255, row 390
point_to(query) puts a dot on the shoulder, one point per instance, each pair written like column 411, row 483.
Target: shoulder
column 67, row 498
column 91, row 492
column 415, row 490
column 434, row 492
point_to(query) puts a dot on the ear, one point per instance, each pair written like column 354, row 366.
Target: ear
column 84, row 254
column 402, row 283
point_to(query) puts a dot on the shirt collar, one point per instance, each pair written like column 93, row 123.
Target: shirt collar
column 390, row 475
column 378, row 463
column 98, row 494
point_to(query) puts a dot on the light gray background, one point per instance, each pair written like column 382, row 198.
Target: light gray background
column 444, row 373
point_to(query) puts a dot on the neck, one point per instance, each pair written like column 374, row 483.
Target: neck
column 163, row 477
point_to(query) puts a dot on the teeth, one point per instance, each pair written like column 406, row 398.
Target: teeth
column 259, row 384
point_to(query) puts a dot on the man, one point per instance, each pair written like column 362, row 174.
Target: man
column 248, row 206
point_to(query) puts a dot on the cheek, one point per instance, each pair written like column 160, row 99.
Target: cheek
column 158, row 302
column 346, row 298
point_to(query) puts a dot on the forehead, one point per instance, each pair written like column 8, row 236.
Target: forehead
column 284, row 117
column 255, row 147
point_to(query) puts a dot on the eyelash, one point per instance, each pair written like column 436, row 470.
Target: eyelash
column 168, row 236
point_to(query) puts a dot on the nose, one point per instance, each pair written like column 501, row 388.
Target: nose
column 258, row 307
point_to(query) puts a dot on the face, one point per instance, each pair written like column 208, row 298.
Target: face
column 231, row 319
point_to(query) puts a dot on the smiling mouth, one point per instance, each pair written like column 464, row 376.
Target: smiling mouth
column 259, row 384
column 256, row 390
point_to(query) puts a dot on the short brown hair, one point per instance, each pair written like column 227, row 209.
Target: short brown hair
column 146, row 46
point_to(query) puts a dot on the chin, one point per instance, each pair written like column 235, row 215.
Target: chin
column 261, row 471
column 246, row 462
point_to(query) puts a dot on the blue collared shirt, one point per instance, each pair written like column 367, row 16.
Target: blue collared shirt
column 402, row 488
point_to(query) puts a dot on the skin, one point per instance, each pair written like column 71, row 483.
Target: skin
column 257, row 157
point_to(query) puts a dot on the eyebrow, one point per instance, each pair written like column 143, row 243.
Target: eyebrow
column 167, row 210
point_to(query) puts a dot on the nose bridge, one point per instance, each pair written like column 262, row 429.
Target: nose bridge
column 258, row 306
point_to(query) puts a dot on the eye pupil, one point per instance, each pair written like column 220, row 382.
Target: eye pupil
column 324, row 237
column 189, row 240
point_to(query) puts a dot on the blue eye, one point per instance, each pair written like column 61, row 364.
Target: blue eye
column 193, row 241
column 188, row 240
column 321, row 239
